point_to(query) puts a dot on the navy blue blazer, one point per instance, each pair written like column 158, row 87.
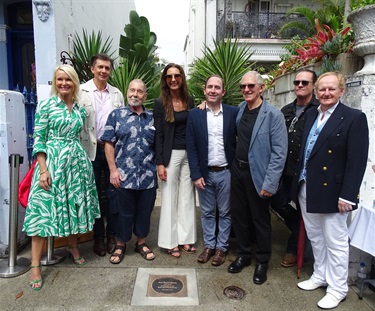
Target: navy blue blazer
column 197, row 139
column 337, row 162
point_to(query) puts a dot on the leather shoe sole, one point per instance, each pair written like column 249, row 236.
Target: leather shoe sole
column 240, row 263
column 260, row 274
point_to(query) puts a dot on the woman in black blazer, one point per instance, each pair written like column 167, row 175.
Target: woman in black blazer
column 177, row 228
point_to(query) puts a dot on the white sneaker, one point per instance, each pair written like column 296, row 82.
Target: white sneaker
column 309, row 285
column 329, row 301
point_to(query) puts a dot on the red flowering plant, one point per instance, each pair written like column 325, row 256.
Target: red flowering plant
column 326, row 45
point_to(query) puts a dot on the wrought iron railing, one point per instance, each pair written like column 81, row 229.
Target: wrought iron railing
column 257, row 26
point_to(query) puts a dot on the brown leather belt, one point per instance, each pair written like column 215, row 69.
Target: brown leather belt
column 217, row 168
column 242, row 164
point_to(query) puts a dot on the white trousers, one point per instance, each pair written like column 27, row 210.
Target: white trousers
column 177, row 224
column 328, row 234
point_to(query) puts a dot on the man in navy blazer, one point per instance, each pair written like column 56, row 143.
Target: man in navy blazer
column 335, row 148
column 211, row 145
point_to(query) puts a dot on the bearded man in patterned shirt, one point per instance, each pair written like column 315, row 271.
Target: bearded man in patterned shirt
column 129, row 149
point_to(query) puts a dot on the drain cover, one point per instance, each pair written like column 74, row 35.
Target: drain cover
column 234, row 292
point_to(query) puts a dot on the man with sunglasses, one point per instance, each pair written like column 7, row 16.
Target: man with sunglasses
column 294, row 114
column 255, row 173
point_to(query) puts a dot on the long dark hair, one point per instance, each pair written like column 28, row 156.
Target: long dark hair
column 165, row 93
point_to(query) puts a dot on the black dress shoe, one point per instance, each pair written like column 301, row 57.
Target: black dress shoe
column 99, row 248
column 260, row 274
column 237, row 265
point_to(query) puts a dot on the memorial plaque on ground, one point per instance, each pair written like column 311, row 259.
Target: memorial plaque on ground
column 167, row 286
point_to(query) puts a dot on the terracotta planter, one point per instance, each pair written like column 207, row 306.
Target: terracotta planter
column 363, row 24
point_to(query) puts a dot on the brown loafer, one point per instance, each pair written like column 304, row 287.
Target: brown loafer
column 206, row 255
column 99, row 248
column 289, row 260
column 111, row 244
column 219, row 258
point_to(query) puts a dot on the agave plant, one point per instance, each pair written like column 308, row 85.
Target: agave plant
column 228, row 60
column 86, row 47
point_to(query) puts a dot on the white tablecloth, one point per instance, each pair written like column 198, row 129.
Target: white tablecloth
column 362, row 230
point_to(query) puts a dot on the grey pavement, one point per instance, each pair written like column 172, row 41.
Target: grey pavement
column 100, row 285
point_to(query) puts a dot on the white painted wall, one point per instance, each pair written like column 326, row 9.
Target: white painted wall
column 67, row 17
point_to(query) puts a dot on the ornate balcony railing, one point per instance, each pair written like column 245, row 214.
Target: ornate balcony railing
column 257, row 26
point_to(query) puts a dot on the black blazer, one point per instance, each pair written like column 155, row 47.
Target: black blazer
column 337, row 161
column 164, row 133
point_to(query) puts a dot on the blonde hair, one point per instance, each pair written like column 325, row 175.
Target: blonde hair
column 72, row 74
column 339, row 76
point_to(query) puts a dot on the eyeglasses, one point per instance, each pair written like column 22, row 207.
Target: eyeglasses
column 292, row 124
column 250, row 86
column 176, row 76
column 304, row 82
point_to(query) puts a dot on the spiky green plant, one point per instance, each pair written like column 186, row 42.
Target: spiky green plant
column 84, row 48
column 230, row 61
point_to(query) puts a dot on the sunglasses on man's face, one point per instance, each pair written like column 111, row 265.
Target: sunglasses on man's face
column 250, row 86
column 304, row 82
column 176, row 76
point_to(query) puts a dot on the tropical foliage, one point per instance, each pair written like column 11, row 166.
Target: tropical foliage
column 86, row 47
column 230, row 61
column 137, row 56
column 137, row 50
column 331, row 14
column 324, row 46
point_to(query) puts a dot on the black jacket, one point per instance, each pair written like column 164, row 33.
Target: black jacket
column 294, row 136
column 164, row 133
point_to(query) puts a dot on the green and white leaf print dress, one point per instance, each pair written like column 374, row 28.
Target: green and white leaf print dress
column 71, row 204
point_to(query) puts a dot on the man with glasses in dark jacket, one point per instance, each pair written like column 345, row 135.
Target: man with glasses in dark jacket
column 294, row 114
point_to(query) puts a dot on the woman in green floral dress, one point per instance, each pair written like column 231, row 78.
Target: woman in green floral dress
column 63, row 200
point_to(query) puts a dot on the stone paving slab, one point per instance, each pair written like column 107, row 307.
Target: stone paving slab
column 101, row 285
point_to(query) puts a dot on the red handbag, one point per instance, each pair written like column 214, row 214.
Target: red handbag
column 25, row 185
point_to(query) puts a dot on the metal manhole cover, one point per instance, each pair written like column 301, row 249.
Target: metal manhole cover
column 234, row 292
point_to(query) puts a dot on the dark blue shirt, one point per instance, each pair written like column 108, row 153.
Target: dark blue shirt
column 133, row 136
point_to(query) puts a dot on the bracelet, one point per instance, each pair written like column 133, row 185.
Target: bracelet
column 43, row 171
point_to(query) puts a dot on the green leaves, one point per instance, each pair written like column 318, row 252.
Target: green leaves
column 230, row 61
column 86, row 47
column 331, row 13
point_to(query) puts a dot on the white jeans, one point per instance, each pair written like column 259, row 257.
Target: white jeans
column 328, row 234
column 177, row 224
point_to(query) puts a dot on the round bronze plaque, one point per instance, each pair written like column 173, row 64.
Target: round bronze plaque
column 234, row 292
column 167, row 285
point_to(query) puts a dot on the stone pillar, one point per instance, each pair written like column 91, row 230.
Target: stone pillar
column 360, row 94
